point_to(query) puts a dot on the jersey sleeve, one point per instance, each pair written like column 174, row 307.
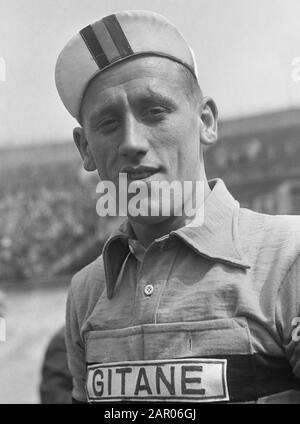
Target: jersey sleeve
column 75, row 350
column 288, row 315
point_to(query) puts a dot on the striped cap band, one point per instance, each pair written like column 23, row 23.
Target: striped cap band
column 112, row 37
column 109, row 41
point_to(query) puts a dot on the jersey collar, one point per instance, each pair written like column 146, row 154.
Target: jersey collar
column 216, row 238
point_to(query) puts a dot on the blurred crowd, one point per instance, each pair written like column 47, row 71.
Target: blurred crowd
column 45, row 213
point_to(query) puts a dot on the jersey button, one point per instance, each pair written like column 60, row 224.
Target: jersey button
column 148, row 289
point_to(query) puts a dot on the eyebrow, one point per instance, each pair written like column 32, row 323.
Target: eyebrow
column 102, row 110
column 154, row 96
column 151, row 97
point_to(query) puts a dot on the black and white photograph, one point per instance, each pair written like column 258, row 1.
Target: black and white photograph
column 150, row 204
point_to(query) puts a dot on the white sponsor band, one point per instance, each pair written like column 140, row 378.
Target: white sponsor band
column 192, row 379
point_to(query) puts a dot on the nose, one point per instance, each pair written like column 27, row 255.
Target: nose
column 134, row 142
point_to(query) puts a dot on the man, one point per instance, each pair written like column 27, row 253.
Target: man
column 56, row 380
column 175, row 308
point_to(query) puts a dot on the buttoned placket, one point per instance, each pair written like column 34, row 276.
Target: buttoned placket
column 150, row 286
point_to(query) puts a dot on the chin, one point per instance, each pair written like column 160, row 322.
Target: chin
column 154, row 213
column 149, row 220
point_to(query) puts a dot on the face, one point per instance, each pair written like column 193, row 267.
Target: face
column 138, row 119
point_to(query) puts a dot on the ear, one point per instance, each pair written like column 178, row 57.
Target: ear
column 84, row 150
column 209, row 119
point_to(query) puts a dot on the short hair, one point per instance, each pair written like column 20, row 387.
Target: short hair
column 191, row 86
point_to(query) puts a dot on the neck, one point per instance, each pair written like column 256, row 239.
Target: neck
column 146, row 233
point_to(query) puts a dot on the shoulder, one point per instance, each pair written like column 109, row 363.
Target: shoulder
column 280, row 227
column 89, row 276
column 275, row 238
column 87, row 286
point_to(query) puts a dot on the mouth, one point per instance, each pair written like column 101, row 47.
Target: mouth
column 139, row 172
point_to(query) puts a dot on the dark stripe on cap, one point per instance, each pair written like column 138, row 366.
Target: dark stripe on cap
column 94, row 46
column 119, row 38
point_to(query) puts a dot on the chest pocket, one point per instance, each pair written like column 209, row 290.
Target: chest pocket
column 223, row 345
column 167, row 341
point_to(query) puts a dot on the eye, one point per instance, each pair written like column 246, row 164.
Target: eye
column 158, row 109
column 108, row 124
column 155, row 113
